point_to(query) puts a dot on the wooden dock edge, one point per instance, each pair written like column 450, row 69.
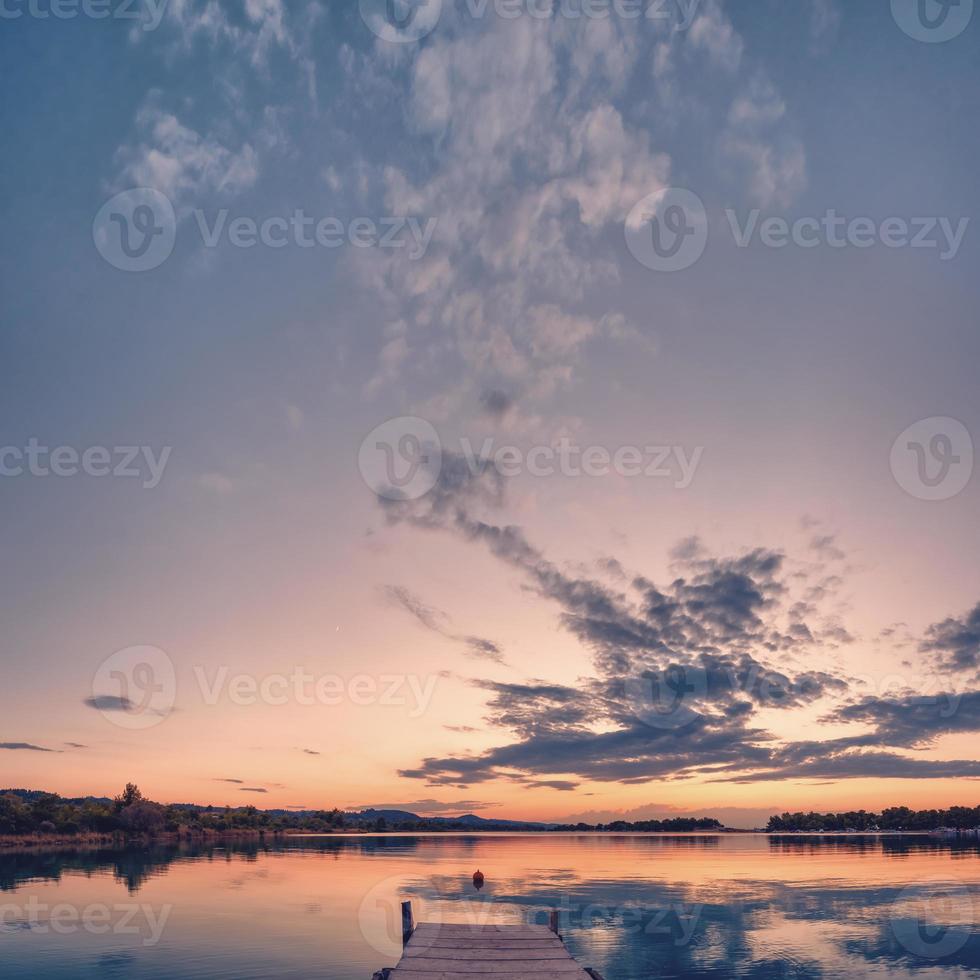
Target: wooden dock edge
column 409, row 926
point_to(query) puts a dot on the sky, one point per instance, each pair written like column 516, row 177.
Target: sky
column 547, row 413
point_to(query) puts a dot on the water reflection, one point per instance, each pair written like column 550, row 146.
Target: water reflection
column 632, row 906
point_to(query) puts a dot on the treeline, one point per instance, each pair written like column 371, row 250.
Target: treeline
column 892, row 819
column 675, row 825
column 131, row 813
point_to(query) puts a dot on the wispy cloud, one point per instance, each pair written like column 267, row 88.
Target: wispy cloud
column 435, row 620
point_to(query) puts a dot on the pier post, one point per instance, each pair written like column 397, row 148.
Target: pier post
column 553, row 923
column 408, row 922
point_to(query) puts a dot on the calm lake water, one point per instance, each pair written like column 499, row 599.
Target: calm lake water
column 632, row 906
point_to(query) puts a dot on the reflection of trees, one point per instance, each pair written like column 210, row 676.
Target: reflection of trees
column 133, row 866
column 894, row 846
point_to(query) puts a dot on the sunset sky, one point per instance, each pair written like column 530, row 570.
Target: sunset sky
column 492, row 642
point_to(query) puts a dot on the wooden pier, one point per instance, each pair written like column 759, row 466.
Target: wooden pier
column 447, row 952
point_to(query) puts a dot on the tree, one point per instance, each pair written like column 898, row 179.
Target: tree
column 130, row 795
column 143, row 817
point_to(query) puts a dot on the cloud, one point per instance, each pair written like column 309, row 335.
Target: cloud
column 181, row 163
column 110, row 702
column 236, row 781
column 253, row 789
column 311, row 752
column 825, row 19
column 434, row 808
column 437, row 621
column 826, row 546
column 955, row 641
column 76, row 745
column 496, row 403
column 731, row 630
column 23, row 747
column 913, row 720
column 526, row 174
column 760, row 146
column 266, row 26
column 713, row 32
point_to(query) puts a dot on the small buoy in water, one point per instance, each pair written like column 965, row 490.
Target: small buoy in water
column 478, row 880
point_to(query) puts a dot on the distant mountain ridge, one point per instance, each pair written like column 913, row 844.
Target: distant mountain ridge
column 354, row 819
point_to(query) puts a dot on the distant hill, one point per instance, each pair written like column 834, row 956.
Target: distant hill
column 30, row 795
column 101, row 814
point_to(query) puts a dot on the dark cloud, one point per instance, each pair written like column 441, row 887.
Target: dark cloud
column 477, row 647
column 110, row 702
column 311, row 752
column 913, row 720
column 76, row 745
column 956, row 641
column 237, row 782
column 727, row 637
column 253, row 789
column 461, row 729
column 496, row 403
column 23, row 747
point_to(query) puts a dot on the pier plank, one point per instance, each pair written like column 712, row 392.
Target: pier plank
column 443, row 952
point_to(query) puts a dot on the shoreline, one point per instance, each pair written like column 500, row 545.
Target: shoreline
column 120, row 840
